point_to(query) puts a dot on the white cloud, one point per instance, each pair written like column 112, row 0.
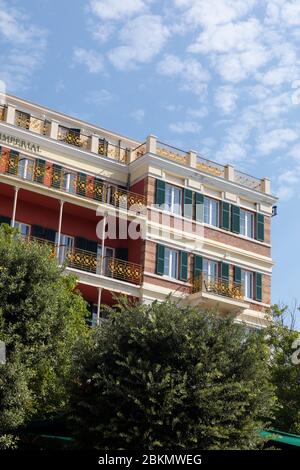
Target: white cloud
column 185, row 127
column 226, row 98
column 141, row 38
column 276, row 139
column 116, row 10
column 291, row 13
column 208, row 13
column 99, row 97
column 191, row 72
column 232, row 36
column 89, row 58
column 138, row 114
column 22, row 46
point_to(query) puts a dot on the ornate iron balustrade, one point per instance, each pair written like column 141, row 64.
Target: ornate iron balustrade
column 115, row 152
column 171, row 153
column 87, row 186
column 248, row 181
column 71, row 137
column 218, row 286
column 2, row 112
column 139, row 151
column 31, row 123
column 208, row 166
column 111, row 267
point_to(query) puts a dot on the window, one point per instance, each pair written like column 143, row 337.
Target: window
column 108, row 254
column 171, row 263
column 69, row 180
column 247, row 281
column 173, row 199
column 24, row 229
column 211, row 211
column 26, row 168
column 210, row 269
column 66, row 245
column 247, row 223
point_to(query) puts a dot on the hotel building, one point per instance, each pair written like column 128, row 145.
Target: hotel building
column 143, row 219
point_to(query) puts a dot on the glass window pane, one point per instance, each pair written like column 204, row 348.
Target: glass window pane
column 206, row 210
column 214, row 212
column 168, row 197
column 173, row 264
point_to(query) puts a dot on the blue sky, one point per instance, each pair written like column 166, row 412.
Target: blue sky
column 218, row 76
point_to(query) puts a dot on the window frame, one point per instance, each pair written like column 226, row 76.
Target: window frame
column 211, row 203
column 17, row 223
column 24, row 174
column 244, row 220
column 67, row 187
column 245, row 274
column 172, row 205
column 208, row 273
column 168, row 272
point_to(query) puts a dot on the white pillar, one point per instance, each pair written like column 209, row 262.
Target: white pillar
column 103, row 243
column 54, row 129
column 266, row 186
column 192, row 159
column 11, row 114
column 94, row 143
column 151, row 144
column 229, row 172
column 99, row 305
column 13, row 219
column 59, row 227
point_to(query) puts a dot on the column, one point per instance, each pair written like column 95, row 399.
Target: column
column 99, row 305
column 229, row 172
column 103, row 243
column 192, row 159
column 151, row 144
column 54, row 129
column 59, row 227
column 13, row 219
column 11, row 114
column 94, row 143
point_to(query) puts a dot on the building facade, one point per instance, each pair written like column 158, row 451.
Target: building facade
column 142, row 219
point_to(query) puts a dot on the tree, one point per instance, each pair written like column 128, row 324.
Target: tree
column 285, row 372
column 41, row 318
column 163, row 376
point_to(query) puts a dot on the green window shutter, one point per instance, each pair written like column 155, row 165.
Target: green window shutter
column 49, row 235
column 160, row 260
column 225, row 215
column 81, row 184
column 199, row 212
column 56, row 176
column 258, row 287
column 260, row 227
column 4, row 220
column 198, row 265
column 225, row 271
column 188, row 203
column 38, row 231
column 235, row 219
column 183, row 275
column 160, row 192
column 237, row 275
column 40, row 168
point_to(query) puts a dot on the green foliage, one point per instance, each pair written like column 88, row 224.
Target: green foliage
column 168, row 377
column 285, row 374
column 41, row 318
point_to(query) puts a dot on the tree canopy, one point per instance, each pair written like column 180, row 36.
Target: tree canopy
column 162, row 376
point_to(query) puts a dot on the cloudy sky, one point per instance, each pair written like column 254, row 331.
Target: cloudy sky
column 218, row 76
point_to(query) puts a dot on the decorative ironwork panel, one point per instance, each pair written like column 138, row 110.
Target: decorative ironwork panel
column 218, row 286
column 171, row 153
column 248, row 181
column 208, row 166
column 22, row 119
column 82, row 260
column 124, row 270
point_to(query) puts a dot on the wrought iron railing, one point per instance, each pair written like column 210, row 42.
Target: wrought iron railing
column 171, row 153
column 2, row 112
column 72, row 137
column 123, row 270
column 138, row 151
column 115, row 152
column 218, row 286
column 31, row 123
column 247, row 180
column 87, row 186
column 208, row 166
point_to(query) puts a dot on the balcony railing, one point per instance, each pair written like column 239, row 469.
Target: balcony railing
column 115, row 152
column 31, row 123
column 138, row 151
column 88, row 261
column 54, row 176
column 218, row 286
column 171, row 153
column 73, row 137
column 248, row 181
column 2, row 112
column 210, row 167
column 111, row 267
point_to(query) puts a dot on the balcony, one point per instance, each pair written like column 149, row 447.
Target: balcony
column 211, row 290
column 33, row 124
column 74, row 137
column 46, row 173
